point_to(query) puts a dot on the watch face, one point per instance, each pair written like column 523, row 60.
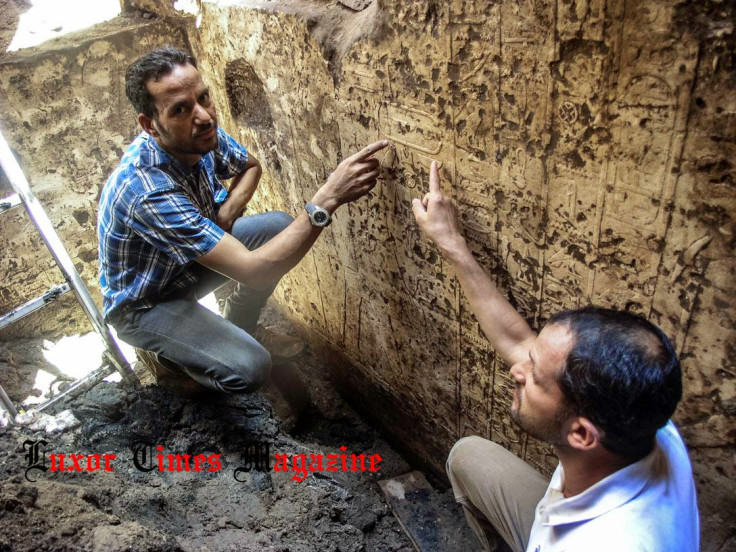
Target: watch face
column 320, row 217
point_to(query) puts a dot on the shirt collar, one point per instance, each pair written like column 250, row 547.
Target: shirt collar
column 609, row 493
column 152, row 154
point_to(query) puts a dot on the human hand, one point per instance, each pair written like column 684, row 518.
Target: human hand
column 437, row 216
column 353, row 178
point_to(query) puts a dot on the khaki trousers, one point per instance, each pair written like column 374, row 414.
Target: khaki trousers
column 498, row 491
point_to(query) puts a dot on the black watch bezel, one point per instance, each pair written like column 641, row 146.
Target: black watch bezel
column 318, row 216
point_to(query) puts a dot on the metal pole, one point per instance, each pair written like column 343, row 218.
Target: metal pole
column 79, row 386
column 8, row 404
column 34, row 304
column 20, row 184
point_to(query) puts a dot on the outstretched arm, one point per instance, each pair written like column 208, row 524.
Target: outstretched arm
column 262, row 267
column 504, row 327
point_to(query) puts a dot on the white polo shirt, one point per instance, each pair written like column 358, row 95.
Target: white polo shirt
column 648, row 506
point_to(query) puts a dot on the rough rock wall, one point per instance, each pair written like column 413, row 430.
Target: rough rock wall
column 11, row 10
column 589, row 146
column 65, row 114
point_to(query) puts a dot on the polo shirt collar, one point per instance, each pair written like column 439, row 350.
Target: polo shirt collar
column 609, row 493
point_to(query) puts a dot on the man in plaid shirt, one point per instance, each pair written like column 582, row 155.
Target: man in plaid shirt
column 170, row 233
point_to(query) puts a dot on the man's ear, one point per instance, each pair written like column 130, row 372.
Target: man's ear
column 583, row 434
column 147, row 124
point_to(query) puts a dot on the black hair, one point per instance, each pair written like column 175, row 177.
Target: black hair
column 152, row 66
column 621, row 373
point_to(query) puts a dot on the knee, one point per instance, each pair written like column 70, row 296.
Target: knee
column 272, row 223
column 248, row 374
column 261, row 370
column 278, row 220
column 464, row 453
column 255, row 230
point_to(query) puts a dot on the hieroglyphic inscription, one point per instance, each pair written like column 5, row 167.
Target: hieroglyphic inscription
column 580, row 18
column 651, row 103
column 559, row 127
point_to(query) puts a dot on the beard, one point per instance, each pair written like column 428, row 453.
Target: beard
column 548, row 430
column 193, row 145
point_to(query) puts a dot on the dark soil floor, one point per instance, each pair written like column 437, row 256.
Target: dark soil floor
column 264, row 510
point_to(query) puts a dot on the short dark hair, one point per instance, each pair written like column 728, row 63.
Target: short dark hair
column 621, row 373
column 152, row 66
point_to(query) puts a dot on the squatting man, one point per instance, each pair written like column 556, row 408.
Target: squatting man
column 170, row 233
column 598, row 385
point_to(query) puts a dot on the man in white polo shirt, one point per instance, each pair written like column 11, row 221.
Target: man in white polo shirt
column 600, row 386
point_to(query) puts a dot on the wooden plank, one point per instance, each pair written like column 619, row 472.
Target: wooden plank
column 433, row 522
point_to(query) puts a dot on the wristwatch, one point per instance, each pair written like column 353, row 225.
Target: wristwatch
column 317, row 215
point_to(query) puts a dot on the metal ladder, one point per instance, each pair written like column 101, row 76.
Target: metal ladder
column 112, row 354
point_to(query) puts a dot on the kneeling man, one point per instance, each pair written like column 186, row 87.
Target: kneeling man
column 598, row 385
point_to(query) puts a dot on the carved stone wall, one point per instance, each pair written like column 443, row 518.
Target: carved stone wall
column 65, row 114
column 589, row 145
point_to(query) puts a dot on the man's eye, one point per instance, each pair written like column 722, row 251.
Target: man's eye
column 205, row 98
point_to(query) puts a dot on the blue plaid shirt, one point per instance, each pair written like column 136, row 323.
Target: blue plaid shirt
column 157, row 215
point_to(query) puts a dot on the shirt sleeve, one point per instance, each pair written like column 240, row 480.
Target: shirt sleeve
column 169, row 221
column 230, row 157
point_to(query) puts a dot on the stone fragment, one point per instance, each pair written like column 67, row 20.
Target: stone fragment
column 357, row 5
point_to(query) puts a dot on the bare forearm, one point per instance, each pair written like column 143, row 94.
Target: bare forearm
column 509, row 333
column 504, row 327
column 240, row 193
column 263, row 267
column 242, row 189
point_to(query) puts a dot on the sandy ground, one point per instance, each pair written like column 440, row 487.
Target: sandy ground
column 212, row 509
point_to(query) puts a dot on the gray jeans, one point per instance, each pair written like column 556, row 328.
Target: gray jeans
column 216, row 352
column 498, row 491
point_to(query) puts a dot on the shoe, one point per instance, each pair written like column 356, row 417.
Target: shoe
column 166, row 374
column 282, row 347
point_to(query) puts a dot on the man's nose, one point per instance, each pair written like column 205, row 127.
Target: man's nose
column 518, row 372
column 201, row 115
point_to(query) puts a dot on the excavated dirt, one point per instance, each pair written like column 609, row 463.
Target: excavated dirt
column 128, row 509
column 223, row 509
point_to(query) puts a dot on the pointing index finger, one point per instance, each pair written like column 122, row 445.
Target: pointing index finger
column 367, row 151
column 434, row 178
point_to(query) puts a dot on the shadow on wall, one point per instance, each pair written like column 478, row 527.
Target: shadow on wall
column 249, row 106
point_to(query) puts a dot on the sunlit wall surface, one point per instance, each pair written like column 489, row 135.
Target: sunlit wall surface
column 48, row 19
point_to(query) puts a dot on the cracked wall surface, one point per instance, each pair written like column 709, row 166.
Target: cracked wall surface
column 589, row 145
